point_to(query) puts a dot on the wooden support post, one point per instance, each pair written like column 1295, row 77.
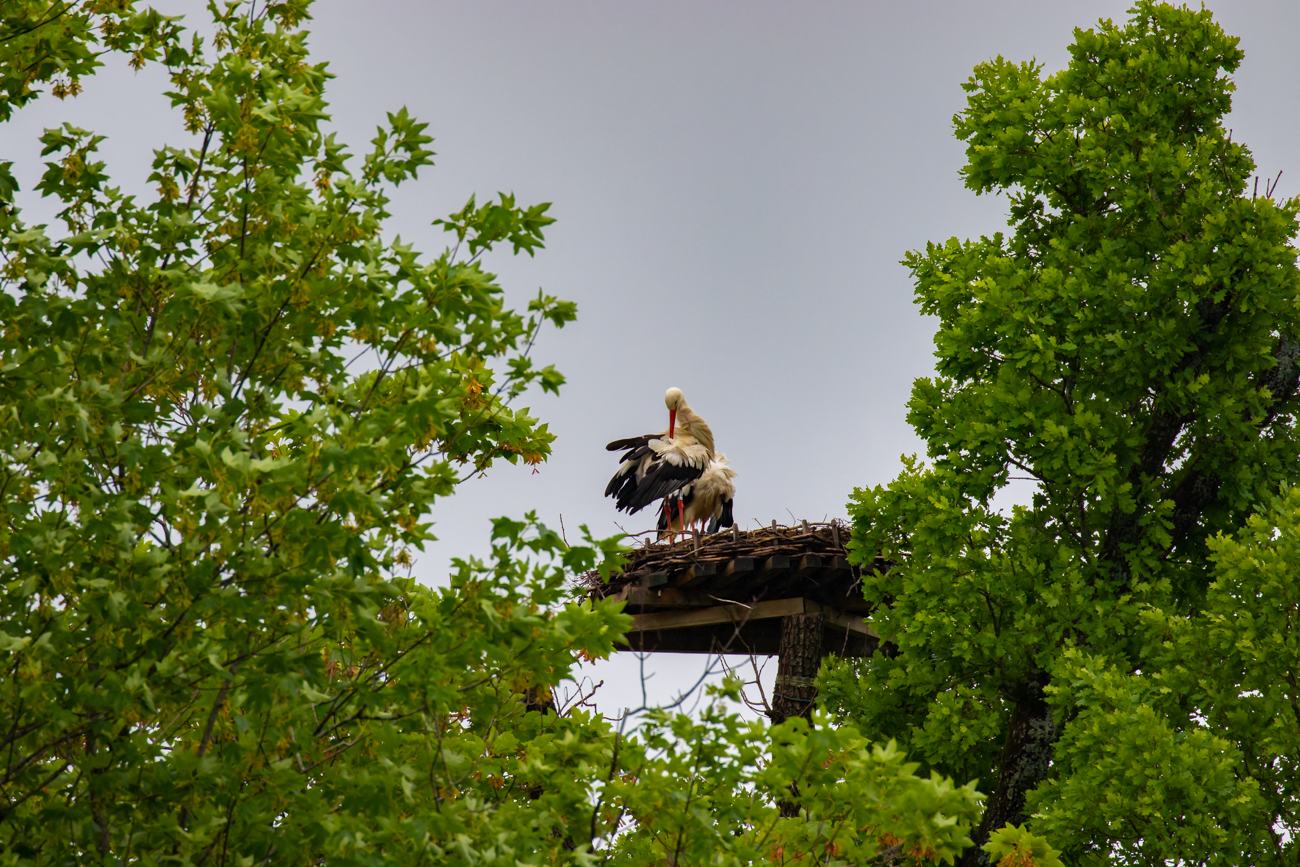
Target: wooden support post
column 796, row 668
column 798, row 659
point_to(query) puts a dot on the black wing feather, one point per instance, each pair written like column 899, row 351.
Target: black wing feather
column 630, row 442
column 661, row 480
column 626, row 474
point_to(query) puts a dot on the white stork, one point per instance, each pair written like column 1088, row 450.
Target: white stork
column 708, row 498
column 657, row 466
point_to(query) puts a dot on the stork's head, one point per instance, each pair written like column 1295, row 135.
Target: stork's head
column 674, row 400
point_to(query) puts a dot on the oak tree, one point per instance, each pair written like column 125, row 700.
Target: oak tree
column 1110, row 660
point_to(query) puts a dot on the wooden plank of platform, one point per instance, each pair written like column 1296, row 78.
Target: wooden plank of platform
column 740, row 567
column 663, row 620
column 847, row 622
column 665, row 597
column 668, row 620
column 801, row 572
column 697, row 573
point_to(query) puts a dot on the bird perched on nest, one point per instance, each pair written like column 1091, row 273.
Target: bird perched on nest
column 708, row 498
column 658, row 466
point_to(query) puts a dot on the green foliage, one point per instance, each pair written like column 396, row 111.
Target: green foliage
column 488, row 224
column 209, row 508
column 1013, row 846
column 1241, row 656
column 1158, row 785
column 1196, row 753
column 54, row 41
column 1130, row 348
column 226, row 408
column 856, row 800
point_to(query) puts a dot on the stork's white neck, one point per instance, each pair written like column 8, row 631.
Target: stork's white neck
column 695, row 427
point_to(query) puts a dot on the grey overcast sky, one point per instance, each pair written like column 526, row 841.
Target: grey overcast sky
column 734, row 183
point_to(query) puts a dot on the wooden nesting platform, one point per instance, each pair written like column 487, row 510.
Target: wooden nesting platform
column 728, row 593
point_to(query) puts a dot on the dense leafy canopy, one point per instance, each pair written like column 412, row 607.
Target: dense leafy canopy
column 226, row 407
column 1107, row 661
column 59, row 43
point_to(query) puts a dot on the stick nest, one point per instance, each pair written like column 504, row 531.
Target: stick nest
column 826, row 539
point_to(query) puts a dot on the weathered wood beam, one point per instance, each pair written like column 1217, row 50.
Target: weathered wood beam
column 757, row 638
column 777, row 564
column 666, row 597
column 741, row 567
column 803, row 571
column 697, row 573
column 665, row 620
column 847, row 622
column 769, row 572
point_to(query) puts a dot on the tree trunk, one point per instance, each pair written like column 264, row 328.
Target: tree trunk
column 1026, row 757
column 539, row 700
column 799, row 656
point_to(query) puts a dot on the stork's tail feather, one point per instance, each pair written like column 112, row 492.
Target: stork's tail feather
column 727, row 519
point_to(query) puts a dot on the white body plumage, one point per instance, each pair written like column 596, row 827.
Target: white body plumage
column 707, row 500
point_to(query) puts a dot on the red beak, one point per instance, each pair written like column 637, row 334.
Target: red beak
column 672, row 422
